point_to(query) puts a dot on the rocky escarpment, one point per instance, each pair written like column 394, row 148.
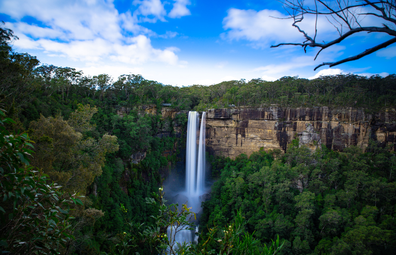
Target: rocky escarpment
column 231, row 132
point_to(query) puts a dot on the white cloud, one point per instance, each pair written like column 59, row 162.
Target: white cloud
column 130, row 23
column 139, row 51
column 368, row 75
column 180, row 9
column 253, row 26
column 88, row 31
column 76, row 20
column 286, row 68
column 168, row 34
column 302, row 66
column 269, row 78
column 387, row 53
column 326, row 72
column 36, row 31
column 258, row 26
column 150, row 8
column 267, row 27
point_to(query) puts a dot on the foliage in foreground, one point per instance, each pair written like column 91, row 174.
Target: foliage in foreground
column 34, row 215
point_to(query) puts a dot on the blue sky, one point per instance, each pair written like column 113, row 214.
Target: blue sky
column 181, row 42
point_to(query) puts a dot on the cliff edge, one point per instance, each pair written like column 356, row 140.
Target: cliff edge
column 231, row 132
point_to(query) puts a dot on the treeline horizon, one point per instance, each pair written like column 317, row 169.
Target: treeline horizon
column 24, row 81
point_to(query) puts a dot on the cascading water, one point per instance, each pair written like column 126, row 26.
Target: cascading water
column 195, row 169
column 191, row 152
column 201, row 166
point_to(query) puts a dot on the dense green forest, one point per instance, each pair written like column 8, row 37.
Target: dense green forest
column 70, row 185
column 324, row 202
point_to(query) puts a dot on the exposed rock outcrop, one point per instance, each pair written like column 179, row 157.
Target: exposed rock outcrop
column 310, row 137
column 231, row 132
column 168, row 112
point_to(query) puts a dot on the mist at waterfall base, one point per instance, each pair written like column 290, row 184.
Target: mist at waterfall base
column 187, row 184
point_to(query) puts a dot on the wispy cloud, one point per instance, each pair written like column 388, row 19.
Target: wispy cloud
column 267, row 27
column 383, row 74
column 300, row 65
column 150, row 8
column 180, row 9
column 129, row 23
column 168, row 34
column 254, row 26
column 388, row 53
column 289, row 68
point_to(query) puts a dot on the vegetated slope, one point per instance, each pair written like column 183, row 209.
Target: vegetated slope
column 321, row 202
column 81, row 143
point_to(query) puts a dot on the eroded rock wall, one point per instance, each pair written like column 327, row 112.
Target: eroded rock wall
column 231, row 132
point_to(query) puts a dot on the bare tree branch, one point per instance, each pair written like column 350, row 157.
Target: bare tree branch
column 345, row 15
column 313, row 43
column 364, row 53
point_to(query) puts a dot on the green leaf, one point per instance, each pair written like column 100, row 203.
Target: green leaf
column 6, row 120
column 22, row 158
column 51, row 222
column 63, row 211
column 78, row 201
column 30, row 145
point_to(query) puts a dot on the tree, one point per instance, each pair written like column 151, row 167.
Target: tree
column 348, row 18
column 34, row 214
column 102, row 83
column 80, row 118
column 68, row 157
column 15, row 73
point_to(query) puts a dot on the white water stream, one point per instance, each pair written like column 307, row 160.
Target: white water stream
column 195, row 170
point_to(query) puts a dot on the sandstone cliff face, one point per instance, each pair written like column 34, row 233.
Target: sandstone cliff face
column 231, row 132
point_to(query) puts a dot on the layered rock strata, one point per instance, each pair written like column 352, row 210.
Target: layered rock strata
column 231, row 132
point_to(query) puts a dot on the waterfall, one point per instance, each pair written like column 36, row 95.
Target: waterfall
column 195, row 174
column 179, row 235
column 195, row 168
column 191, row 152
column 201, row 166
